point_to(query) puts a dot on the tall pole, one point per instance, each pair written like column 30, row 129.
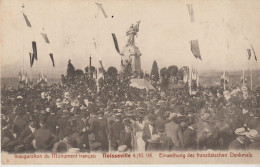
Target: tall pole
column 89, row 71
column 243, row 76
column 224, row 78
column 251, row 76
column 97, row 52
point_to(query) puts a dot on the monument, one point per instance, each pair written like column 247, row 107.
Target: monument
column 130, row 54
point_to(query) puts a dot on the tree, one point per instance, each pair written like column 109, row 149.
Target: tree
column 173, row 70
column 70, row 71
column 165, row 78
column 181, row 72
column 79, row 73
column 92, row 69
column 155, row 72
column 112, row 72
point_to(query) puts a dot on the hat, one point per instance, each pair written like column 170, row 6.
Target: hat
column 118, row 115
column 205, row 117
column 123, row 148
column 253, row 134
column 240, row 131
column 172, row 116
column 154, row 139
column 127, row 122
column 75, row 103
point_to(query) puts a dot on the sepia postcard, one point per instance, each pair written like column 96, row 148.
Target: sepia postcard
column 95, row 82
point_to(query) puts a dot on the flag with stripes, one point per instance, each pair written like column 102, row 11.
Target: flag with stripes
column 45, row 37
column 27, row 20
column 102, row 9
column 115, row 42
column 195, row 48
column 191, row 13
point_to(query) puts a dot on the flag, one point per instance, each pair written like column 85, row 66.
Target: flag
column 27, row 20
column 249, row 53
column 34, row 50
column 191, row 13
column 31, row 58
column 101, row 8
column 45, row 37
column 254, row 53
column 52, row 59
column 115, row 42
column 95, row 45
column 195, row 48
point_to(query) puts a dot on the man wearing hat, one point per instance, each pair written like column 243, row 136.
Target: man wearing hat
column 167, row 144
column 52, row 120
column 160, row 118
column 44, row 139
column 126, row 135
column 254, row 138
column 103, row 131
column 149, row 129
column 240, row 142
column 174, row 131
column 26, row 135
column 61, row 124
column 115, row 130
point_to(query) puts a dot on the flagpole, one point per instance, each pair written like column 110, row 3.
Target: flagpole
column 251, row 76
column 97, row 52
column 243, row 76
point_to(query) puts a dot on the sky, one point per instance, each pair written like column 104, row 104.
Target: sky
column 224, row 29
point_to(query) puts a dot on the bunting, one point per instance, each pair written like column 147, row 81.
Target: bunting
column 27, row 20
column 34, row 50
column 191, row 13
column 45, row 37
column 195, row 48
column 52, row 59
column 102, row 9
column 115, row 42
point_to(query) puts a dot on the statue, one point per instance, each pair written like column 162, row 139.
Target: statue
column 131, row 33
column 130, row 53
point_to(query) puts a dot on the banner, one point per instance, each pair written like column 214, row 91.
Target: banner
column 34, row 50
column 191, row 13
column 52, row 59
column 45, row 37
column 115, row 42
column 27, row 20
column 101, row 8
column 195, row 48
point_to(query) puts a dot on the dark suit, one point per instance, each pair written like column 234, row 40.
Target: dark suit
column 51, row 122
column 174, row 131
column 8, row 140
column 61, row 123
column 189, row 139
column 167, row 143
column 116, row 128
column 147, row 134
column 126, row 139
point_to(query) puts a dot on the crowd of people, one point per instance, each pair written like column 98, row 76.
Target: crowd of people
column 75, row 117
